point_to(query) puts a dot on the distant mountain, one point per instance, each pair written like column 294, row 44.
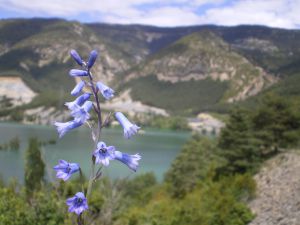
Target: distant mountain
column 183, row 70
column 201, row 58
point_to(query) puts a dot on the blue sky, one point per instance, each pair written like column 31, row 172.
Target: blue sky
column 274, row 13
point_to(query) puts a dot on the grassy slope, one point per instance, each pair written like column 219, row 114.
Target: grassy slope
column 184, row 97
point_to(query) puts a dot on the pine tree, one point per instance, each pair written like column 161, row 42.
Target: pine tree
column 34, row 167
column 238, row 144
column 277, row 123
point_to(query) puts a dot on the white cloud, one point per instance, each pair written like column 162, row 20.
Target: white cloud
column 275, row 13
column 164, row 16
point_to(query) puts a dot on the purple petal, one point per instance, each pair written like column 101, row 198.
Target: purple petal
column 87, row 106
column 64, row 162
column 69, row 201
column 82, row 98
column 101, row 144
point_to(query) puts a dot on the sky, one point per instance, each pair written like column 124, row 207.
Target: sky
column 164, row 13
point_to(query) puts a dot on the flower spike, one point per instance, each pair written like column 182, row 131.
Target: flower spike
column 80, row 111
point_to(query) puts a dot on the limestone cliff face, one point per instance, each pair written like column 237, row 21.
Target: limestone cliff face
column 278, row 187
column 16, row 90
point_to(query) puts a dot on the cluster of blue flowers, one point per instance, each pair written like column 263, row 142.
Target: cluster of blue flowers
column 80, row 112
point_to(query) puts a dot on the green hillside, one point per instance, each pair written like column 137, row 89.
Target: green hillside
column 40, row 53
column 188, row 97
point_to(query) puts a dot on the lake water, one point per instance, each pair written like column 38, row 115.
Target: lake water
column 157, row 148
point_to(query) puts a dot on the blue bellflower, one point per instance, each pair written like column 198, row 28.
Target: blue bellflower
column 78, row 88
column 107, row 92
column 104, row 153
column 130, row 160
column 63, row 128
column 129, row 128
column 82, row 113
column 78, row 203
column 78, row 101
column 78, row 73
column 76, row 57
column 64, row 169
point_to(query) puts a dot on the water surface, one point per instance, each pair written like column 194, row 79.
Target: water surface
column 157, row 148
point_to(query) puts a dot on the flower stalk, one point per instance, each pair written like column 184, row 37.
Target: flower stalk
column 102, row 154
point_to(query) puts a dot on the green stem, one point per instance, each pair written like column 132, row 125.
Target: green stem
column 80, row 220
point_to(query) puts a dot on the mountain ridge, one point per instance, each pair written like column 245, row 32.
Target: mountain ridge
column 39, row 55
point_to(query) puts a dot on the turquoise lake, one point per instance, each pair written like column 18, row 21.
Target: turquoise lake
column 157, row 148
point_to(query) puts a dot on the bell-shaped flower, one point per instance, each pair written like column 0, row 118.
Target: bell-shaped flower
column 78, row 73
column 107, row 92
column 64, row 169
column 130, row 160
column 63, row 128
column 104, row 153
column 78, row 101
column 92, row 58
column 78, row 203
column 78, row 88
column 129, row 128
column 81, row 114
column 76, row 57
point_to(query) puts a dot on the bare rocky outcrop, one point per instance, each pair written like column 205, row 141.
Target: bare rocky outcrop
column 15, row 89
column 124, row 103
column 278, row 191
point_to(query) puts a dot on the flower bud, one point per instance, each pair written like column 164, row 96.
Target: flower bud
column 76, row 57
column 92, row 59
column 78, row 73
column 78, row 88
